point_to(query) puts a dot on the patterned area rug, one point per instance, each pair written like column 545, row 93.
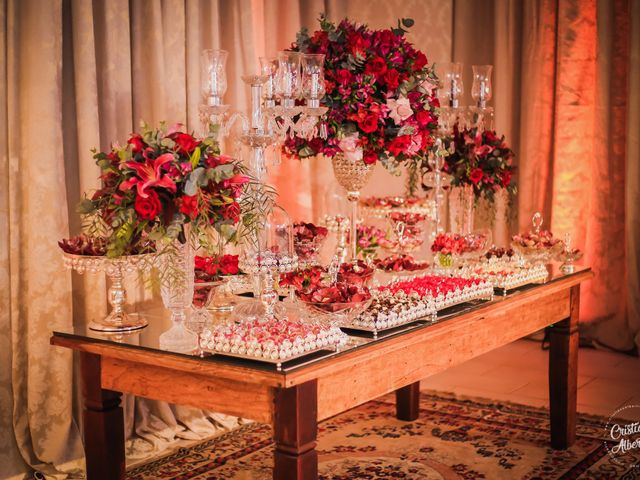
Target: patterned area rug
column 452, row 439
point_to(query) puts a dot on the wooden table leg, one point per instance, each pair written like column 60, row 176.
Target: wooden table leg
column 295, row 430
column 408, row 402
column 563, row 376
column 103, row 424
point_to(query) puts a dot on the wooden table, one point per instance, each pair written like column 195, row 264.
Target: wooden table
column 295, row 399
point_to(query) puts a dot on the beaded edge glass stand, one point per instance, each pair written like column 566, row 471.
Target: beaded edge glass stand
column 527, row 275
column 118, row 320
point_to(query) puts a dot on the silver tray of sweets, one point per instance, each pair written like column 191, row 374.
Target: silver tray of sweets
column 389, row 313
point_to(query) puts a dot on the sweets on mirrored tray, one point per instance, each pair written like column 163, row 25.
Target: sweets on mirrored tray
column 499, row 252
column 272, row 340
column 506, row 275
column 445, row 291
column 391, row 311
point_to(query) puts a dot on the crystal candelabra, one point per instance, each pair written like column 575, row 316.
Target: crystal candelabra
column 285, row 101
column 438, row 181
column 451, row 91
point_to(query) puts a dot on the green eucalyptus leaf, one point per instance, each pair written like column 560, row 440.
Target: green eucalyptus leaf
column 407, row 22
column 85, row 206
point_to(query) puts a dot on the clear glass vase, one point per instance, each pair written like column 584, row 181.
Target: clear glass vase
column 461, row 209
column 177, row 295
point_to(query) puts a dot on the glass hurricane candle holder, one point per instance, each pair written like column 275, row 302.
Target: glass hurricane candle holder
column 481, row 89
column 288, row 78
column 214, row 76
column 313, row 88
column 452, row 85
column 269, row 68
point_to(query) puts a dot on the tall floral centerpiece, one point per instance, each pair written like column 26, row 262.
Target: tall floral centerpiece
column 168, row 188
column 480, row 164
column 380, row 92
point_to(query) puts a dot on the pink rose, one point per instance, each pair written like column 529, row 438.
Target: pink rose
column 399, row 110
column 349, row 145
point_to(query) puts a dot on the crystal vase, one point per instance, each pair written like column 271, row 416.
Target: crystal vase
column 352, row 175
column 461, row 209
column 177, row 295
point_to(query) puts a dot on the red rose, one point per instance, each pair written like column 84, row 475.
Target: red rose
column 343, row 76
column 137, row 145
column 148, row 208
column 423, row 118
column 316, row 144
column 329, row 86
column 229, row 265
column 385, row 39
column 399, row 145
column 392, row 79
column 369, row 123
column 420, row 61
column 189, row 206
column 506, row 178
column 490, row 136
column 370, row 157
column 476, row 175
column 376, row 66
column 358, row 44
column 186, row 143
column 231, row 211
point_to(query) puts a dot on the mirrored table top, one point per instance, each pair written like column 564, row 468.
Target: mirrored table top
column 159, row 321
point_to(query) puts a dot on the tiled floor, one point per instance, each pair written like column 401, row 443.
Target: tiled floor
column 518, row 373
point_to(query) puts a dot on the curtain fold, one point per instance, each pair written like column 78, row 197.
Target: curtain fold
column 77, row 74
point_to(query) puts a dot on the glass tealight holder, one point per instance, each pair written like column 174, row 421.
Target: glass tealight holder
column 269, row 68
column 452, row 86
column 214, row 76
column 481, row 89
column 313, row 88
column 288, row 82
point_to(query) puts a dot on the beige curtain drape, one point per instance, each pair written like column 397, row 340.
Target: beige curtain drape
column 78, row 74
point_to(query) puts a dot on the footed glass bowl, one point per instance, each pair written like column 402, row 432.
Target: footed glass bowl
column 538, row 254
column 336, row 313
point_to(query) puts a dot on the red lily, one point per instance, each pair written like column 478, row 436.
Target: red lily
column 149, row 175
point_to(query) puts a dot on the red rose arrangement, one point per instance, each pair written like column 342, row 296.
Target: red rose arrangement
column 305, row 279
column 313, row 285
column 209, row 269
column 481, row 159
column 453, row 243
column 399, row 263
column 380, row 92
column 161, row 180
